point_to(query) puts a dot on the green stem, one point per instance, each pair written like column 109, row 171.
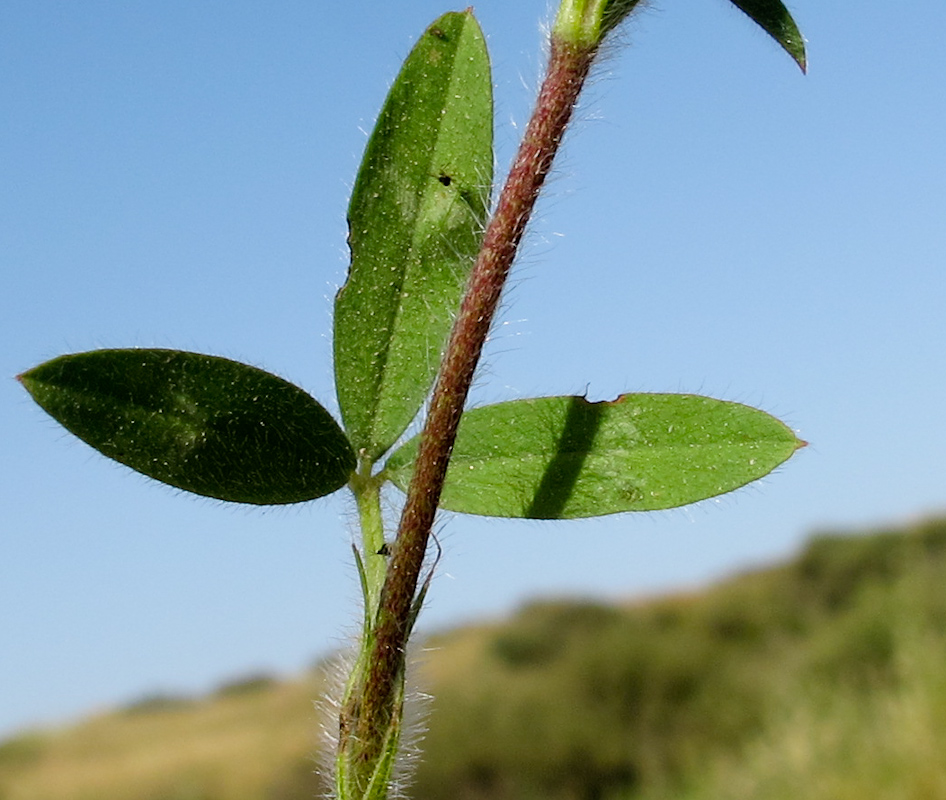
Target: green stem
column 579, row 21
column 568, row 67
column 354, row 778
column 367, row 491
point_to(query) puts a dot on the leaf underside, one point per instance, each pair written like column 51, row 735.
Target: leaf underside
column 415, row 220
column 200, row 423
column 566, row 457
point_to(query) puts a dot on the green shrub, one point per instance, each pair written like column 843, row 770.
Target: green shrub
column 248, row 685
column 22, row 751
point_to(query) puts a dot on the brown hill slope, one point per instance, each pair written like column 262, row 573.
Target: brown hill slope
column 684, row 696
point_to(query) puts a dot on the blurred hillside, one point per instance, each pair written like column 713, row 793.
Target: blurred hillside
column 823, row 677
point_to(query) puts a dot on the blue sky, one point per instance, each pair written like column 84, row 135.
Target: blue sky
column 176, row 175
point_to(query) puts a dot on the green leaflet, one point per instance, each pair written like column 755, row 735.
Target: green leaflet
column 565, row 457
column 415, row 221
column 776, row 21
column 587, row 22
column 201, row 423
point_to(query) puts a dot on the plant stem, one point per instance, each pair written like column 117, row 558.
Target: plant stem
column 367, row 491
column 566, row 73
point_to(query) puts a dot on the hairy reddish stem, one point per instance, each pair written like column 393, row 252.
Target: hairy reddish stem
column 567, row 69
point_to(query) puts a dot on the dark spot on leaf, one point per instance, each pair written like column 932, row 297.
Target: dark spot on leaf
column 445, row 179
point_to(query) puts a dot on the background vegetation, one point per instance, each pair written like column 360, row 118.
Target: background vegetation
column 822, row 677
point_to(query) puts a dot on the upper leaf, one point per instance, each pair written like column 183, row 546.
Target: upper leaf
column 587, row 22
column 415, row 221
column 776, row 21
column 201, row 423
column 565, row 457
